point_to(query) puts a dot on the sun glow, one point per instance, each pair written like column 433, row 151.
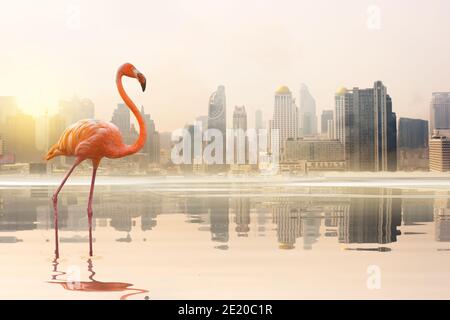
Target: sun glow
column 37, row 101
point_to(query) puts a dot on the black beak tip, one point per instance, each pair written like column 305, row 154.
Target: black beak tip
column 143, row 84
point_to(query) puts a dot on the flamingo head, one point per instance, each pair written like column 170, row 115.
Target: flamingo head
column 130, row 71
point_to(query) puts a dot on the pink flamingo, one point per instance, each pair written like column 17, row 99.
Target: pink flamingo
column 94, row 139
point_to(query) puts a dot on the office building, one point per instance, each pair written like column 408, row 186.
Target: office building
column 439, row 111
column 412, row 133
column 325, row 118
column 307, row 112
column 366, row 125
column 217, row 119
column 240, row 139
column 439, row 146
column 152, row 145
column 285, row 118
column 313, row 150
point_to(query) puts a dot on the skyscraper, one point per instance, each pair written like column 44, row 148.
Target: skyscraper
column 240, row 128
column 391, row 137
column 440, row 151
column 121, row 118
column 240, row 118
column 357, row 109
column 413, row 136
column 217, row 119
column 165, row 147
column 307, row 112
column 440, row 111
column 259, row 123
column 330, row 133
column 366, row 125
column 285, row 116
column 342, row 108
column 412, row 133
column 151, row 147
column 325, row 117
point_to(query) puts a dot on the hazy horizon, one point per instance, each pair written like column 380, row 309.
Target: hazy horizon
column 186, row 49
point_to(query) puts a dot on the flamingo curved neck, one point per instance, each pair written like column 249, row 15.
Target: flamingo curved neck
column 139, row 143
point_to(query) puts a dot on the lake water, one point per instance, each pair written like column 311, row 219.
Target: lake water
column 227, row 239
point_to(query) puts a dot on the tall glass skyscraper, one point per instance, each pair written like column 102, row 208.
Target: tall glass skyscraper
column 240, row 123
column 439, row 111
column 285, row 116
column 366, row 125
column 307, row 112
column 217, row 118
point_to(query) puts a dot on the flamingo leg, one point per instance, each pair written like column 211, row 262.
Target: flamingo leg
column 55, row 204
column 89, row 209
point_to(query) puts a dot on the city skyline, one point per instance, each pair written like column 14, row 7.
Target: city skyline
column 265, row 114
column 48, row 128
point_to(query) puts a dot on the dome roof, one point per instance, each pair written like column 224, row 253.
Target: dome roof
column 341, row 91
column 283, row 90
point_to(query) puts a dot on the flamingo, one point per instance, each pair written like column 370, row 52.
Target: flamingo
column 93, row 140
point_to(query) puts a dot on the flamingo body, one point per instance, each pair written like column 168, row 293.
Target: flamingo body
column 89, row 139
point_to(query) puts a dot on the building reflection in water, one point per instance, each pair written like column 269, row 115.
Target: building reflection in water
column 350, row 216
column 442, row 219
column 417, row 211
column 371, row 220
column 288, row 222
column 241, row 209
column 219, row 220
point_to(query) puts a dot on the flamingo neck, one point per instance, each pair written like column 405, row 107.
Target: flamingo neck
column 139, row 143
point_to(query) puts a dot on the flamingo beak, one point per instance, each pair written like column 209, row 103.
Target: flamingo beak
column 142, row 81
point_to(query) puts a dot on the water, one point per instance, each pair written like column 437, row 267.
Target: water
column 230, row 239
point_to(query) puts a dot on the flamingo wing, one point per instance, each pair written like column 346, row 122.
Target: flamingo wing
column 88, row 139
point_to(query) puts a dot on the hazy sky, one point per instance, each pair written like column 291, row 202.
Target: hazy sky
column 187, row 48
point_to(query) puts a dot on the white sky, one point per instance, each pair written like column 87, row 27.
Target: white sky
column 188, row 47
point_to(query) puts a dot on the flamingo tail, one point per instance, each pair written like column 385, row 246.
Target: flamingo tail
column 53, row 152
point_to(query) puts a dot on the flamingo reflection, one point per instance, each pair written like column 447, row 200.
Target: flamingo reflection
column 92, row 285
